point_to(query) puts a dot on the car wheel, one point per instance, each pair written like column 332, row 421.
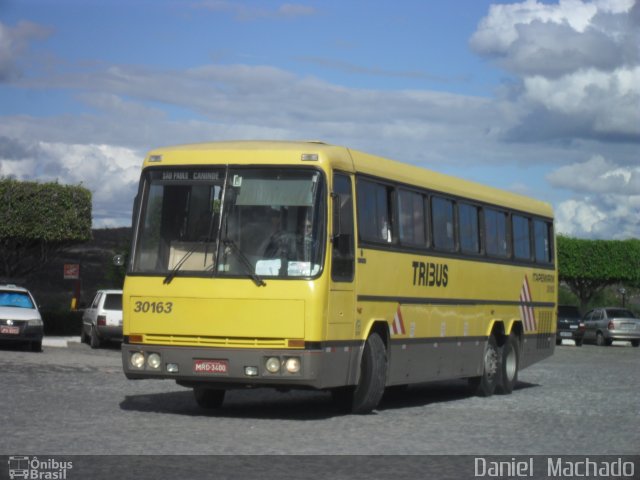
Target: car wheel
column 208, row 398
column 485, row 385
column 83, row 336
column 635, row 343
column 578, row 342
column 36, row 346
column 600, row 339
column 95, row 340
column 509, row 365
column 558, row 341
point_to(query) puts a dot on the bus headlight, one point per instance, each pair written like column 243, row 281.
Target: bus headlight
column 272, row 364
column 154, row 361
column 137, row 360
column 292, row 365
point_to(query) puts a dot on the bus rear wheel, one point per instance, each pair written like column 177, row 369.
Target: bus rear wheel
column 509, row 365
column 485, row 384
column 366, row 395
column 208, row 398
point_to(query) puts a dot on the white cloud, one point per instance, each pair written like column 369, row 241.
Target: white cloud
column 605, row 216
column 534, row 37
column 598, row 175
column 13, row 43
column 109, row 172
column 608, row 201
column 577, row 63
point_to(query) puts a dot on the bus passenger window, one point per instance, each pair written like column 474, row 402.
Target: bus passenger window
column 374, row 219
column 412, row 220
column 442, row 218
column 469, row 230
column 521, row 239
column 495, row 227
column 542, row 237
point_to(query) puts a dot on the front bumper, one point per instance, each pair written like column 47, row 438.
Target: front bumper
column 26, row 333
column 322, row 367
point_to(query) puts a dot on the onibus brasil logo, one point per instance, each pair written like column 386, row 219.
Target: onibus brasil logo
column 37, row 469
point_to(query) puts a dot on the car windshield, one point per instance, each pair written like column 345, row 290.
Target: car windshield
column 15, row 299
column 619, row 313
column 235, row 222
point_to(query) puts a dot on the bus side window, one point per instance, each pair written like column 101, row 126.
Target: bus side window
column 343, row 239
column 374, row 212
column 543, row 241
column 495, row 227
column 442, row 218
column 521, row 237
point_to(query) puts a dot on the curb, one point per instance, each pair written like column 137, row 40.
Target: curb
column 60, row 342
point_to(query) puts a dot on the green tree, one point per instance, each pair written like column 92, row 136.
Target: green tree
column 36, row 221
column 589, row 266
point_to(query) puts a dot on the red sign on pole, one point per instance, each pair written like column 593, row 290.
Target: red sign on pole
column 71, row 271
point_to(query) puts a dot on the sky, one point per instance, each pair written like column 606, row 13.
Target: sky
column 537, row 97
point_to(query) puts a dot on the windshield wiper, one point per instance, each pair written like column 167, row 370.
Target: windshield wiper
column 245, row 262
column 174, row 271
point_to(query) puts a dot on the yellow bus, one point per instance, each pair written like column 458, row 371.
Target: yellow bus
column 307, row 265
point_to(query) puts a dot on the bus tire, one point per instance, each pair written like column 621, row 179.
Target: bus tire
column 366, row 395
column 485, row 384
column 509, row 366
column 208, row 398
column 373, row 376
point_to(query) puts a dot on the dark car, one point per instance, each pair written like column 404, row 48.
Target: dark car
column 570, row 325
column 604, row 325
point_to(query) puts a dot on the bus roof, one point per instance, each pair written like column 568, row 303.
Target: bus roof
column 289, row 152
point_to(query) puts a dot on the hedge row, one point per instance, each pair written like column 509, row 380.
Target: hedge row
column 47, row 212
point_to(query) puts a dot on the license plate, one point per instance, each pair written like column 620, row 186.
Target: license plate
column 628, row 326
column 6, row 330
column 565, row 334
column 216, row 367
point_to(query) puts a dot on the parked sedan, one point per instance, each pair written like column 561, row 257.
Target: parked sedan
column 604, row 325
column 103, row 319
column 570, row 325
column 20, row 320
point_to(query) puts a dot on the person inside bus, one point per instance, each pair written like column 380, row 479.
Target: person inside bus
column 281, row 243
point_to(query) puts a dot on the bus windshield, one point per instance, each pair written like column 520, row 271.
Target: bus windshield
column 231, row 222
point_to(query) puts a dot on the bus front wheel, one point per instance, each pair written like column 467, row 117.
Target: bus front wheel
column 366, row 395
column 485, row 384
column 208, row 398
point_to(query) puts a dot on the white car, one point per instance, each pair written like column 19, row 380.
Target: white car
column 102, row 320
column 20, row 319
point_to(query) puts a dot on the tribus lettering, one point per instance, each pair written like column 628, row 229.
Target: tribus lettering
column 430, row 274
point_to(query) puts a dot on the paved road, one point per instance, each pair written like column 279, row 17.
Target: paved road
column 75, row 400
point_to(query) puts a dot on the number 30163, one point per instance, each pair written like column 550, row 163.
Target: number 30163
column 153, row 307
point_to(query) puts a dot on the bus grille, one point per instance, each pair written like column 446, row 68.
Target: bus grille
column 216, row 341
